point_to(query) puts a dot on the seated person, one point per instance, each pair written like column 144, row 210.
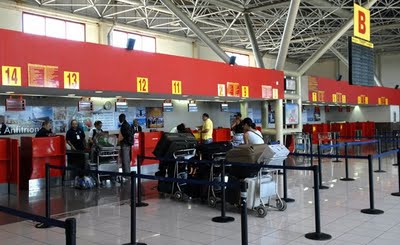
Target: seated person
column 45, row 131
column 76, row 137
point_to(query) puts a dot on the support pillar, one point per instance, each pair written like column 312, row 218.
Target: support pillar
column 244, row 109
column 279, row 120
column 264, row 114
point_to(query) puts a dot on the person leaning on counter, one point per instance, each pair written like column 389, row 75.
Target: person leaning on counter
column 45, row 131
column 76, row 137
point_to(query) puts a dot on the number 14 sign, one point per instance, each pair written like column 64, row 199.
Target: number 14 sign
column 11, row 75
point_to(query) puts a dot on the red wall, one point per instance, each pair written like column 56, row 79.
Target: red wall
column 115, row 69
column 330, row 86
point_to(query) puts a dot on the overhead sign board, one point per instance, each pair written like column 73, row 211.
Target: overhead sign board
column 362, row 26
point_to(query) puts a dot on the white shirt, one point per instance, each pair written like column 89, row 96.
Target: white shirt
column 255, row 137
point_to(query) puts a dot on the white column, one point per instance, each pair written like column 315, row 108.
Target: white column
column 279, row 120
column 244, row 106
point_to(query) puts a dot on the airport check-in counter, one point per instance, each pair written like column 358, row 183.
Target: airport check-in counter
column 222, row 135
column 9, row 165
column 35, row 153
column 144, row 144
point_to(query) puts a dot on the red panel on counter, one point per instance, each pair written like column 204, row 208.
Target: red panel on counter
column 36, row 152
column 221, row 135
column 116, row 69
column 137, row 148
column 5, row 159
column 150, row 140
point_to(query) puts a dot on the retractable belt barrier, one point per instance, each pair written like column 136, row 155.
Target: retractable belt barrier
column 69, row 224
column 317, row 235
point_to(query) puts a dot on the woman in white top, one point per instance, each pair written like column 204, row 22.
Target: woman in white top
column 252, row 135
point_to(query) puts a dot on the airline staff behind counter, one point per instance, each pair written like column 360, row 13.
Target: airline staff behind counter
column 45, row 131
column 76, row 137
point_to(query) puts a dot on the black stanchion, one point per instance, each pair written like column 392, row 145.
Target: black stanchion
column 243, row 216
column 379, row 159
column 346, row 161
column 133, row 211
column 47, row 198
column 321, row 186
column 397, row 147
column 336, row 134
column 285, row 194
column 223, row 218
column 311, row 150
column 317, row 235
column 397, row 194
column 139, row 184
column 70, row 231
column 371, row 209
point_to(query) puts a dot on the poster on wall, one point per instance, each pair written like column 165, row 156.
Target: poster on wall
column 141, row 116
column 43, row 76
column 291, row 114
column 28, row 121
column 154, row 117
column 84, row 118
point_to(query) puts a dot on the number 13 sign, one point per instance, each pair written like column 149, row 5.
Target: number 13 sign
column 71, row 80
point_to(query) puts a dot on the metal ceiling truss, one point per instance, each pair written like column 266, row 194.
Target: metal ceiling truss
column 224, row 21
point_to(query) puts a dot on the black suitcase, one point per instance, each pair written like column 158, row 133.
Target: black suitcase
column 167, row 144
column 208, row 150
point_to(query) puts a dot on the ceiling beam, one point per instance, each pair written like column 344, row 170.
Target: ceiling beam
column 227, row 5
column 329, row 7
column 287, row 35
column 332, row 40
column 194, row 28
column 268, row 6
column 253, row 40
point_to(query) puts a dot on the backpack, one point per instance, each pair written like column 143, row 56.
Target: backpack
column 84, row 183
column 131, row 137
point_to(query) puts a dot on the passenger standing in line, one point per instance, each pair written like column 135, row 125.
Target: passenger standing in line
column 207, row 129
column 125, row 139
column 251, row 135
column 45, row 131
column 76, row 137
column 136, row 127
column 237, row 126
column 96, row 131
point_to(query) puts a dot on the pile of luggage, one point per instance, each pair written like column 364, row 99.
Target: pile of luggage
column 175, row 149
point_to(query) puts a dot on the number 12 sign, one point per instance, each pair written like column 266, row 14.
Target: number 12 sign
column 142, row 84
column 11, row 75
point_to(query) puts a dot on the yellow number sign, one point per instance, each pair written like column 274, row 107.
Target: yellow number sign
column 142, row 84
column 71, row 80
column 11, row 75
column 245, row 91
column 221, row 90
column 334, row 98
column 344, row 98
column 366, row 100
column 176, row 87
column 314, row 96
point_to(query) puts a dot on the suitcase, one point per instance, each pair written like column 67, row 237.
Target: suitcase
column 245, row 154
column 259, row 188
column 110, row 167
column 171, row 142
column 208, row 150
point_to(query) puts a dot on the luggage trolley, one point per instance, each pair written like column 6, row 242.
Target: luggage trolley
column 181, row 156
column 263, row 190
column 301, row 145
column 106, row 154
column 326, row 139
column 215, row 175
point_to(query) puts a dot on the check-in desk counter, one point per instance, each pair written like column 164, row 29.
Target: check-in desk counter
column 144, row 145
column 222, row 135
column 9, row 165
column 35, row 153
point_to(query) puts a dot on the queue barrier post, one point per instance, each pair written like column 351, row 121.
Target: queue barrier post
column 70, row 231
column 346, row 161
column 397, row 194
column 398, row 148
column 311, row 150
column 371, row 209
column 47, row 198
column 379, row 159
column 285, row 194
column 223, row 218
column 317, row 235
column 320, row 186
column 139, row 183
column 336, row 136
column 243, row 216
column 133, row 211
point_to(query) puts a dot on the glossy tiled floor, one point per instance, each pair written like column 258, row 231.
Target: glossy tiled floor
column 167, row 222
